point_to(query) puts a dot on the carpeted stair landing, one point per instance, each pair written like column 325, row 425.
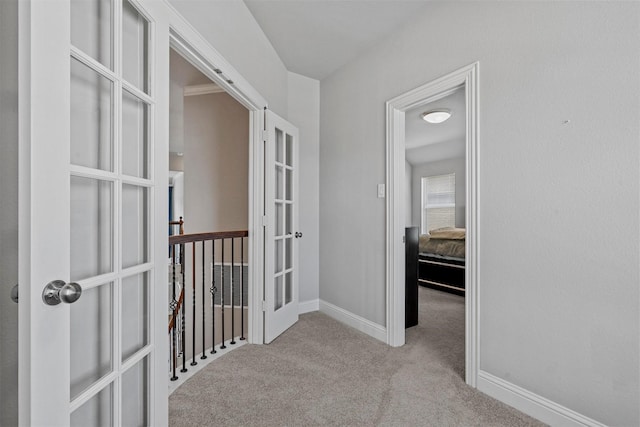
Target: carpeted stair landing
column 321, row 372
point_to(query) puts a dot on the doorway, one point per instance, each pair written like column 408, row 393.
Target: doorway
column 208, row 196
column 465, row 79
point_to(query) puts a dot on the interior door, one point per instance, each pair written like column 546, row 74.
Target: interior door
column 281, row 233
column 92, row 213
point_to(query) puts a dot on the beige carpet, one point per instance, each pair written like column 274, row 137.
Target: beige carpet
column 321, row 372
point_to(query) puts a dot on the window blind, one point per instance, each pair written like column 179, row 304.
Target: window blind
column 438, row 202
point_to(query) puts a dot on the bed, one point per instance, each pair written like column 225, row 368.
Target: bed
column 441, row 260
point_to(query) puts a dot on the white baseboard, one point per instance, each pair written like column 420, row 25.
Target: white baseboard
column 355, row 321
column 308, row 306
column 530, row 403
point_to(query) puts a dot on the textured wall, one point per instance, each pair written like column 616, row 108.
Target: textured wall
column 304, row 112
column 559, row 208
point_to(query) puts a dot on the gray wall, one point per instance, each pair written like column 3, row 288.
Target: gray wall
column 234, row 33
column 304, row 112
column 441, row 167
column 559, row 208
column 8, row 211
column 216, row 163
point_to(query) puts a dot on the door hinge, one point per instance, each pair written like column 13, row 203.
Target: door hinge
column 264, row 306
column 264, row 220
column 265, row 135
column 404, row 239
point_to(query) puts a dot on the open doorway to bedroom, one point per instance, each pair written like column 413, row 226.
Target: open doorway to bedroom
column 402, row 279
column 435, row 198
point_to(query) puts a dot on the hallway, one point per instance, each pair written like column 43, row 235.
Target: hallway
column 321, row 372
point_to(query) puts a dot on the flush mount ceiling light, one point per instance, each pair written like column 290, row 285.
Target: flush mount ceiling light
column 436, row 116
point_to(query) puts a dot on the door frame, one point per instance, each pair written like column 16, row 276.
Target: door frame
column 191, row 45
column 467, row 77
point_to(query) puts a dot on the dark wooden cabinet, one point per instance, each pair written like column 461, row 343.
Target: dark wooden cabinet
column 411, row 277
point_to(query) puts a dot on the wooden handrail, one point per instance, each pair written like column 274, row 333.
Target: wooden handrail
column 199, row 237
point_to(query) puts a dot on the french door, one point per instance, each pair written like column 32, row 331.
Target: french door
column 282, row 234
column 92, row 213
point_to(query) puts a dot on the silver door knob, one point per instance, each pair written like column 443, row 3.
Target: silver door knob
column 59, row 291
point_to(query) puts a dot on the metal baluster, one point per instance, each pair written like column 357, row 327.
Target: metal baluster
column 172, row 306
column 204, row 354
column 233, row 306
column 213, row 297
column 222, row 346
column 242, row 290
column 183, row 320
column 193, row 304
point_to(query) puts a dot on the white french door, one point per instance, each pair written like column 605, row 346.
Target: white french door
column 92, row 213
column 281, row 235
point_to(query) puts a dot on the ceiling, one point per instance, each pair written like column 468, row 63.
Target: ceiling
column 316, row 37
column 428, row 142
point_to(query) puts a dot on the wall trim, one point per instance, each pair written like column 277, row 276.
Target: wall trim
column 308, row 306
column 532, row 404
column 203, row 89
column 360, row 323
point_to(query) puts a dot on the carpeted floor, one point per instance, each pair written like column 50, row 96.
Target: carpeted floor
column 321, row 372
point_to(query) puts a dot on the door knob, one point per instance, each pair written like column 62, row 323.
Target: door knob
column 59, row 291
column 14, row 294
column 298, row 234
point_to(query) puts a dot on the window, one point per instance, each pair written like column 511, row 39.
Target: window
column 438, row 202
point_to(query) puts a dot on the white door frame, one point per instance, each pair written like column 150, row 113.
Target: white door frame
column 192, row 46
column 395, row 280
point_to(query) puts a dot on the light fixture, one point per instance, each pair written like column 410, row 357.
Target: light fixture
column 436, row 116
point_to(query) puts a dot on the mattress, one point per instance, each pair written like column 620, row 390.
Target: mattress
column 450, row 248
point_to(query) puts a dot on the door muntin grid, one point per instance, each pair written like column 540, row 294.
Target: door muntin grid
column 112, row 184
column 284, row 207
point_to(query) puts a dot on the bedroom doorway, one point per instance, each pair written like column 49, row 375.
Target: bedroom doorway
column 447, row 207
column 435, row 211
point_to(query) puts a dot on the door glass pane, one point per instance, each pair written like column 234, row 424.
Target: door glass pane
column 279, row 146
column 91, row 124
column 135, row 314
column 278, row 256
column 135, row 37
column 91, row 227
column 279, row 219
column 289, row 253
column 278, row 293
column 91, row 337
column 288, row 288
column 289, row 219
column 135, row 227
column 135, row 136
column 135, row 395
column 91, row 29
column 279, row 183
column 289, row 150
column 97, row 411
column 289, row 192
